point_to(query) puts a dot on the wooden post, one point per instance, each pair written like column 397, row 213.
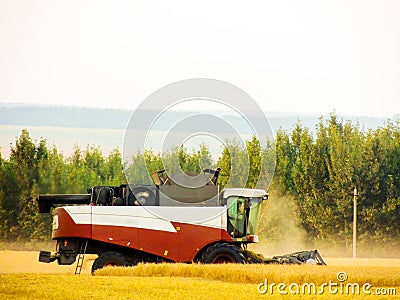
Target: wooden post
column 355, row 194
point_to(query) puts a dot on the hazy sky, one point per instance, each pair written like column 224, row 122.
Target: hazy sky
column 297, row 56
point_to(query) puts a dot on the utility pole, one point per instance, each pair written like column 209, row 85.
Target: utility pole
column 355, row 195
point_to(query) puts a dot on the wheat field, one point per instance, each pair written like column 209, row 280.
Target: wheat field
column 23, row 277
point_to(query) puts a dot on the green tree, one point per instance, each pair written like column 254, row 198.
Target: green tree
column 234, row 164
column 25, row 159
column 255, row 157
column 114, row 170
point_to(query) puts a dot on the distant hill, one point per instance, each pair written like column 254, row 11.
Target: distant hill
column 63, row 116
column 80, row 117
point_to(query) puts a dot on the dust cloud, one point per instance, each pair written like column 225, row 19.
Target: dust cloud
column 280, row 232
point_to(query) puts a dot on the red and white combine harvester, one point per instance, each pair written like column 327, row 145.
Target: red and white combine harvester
column 164, row 222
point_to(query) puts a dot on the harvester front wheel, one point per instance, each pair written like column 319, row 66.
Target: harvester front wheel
column 110, row 258
column 222, row 253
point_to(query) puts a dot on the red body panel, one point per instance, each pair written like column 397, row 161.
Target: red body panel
column 68, row 228
column 180, row 246
column 194, row 238
column 123, row 236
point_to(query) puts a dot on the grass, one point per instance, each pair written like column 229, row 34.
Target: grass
column 22, row 277
column 377, row 276
column 39, row 286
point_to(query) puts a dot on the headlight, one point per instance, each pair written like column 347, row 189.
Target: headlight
column 55, row 222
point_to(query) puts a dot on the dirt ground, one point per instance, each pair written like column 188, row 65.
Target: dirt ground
column 12, row 262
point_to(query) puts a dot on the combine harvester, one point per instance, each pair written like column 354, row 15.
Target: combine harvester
column 165, row 222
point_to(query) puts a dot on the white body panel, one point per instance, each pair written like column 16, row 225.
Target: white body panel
column 148, row 217
column 239, row 192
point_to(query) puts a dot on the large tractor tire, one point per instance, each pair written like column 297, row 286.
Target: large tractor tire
column 223, row 253
column 110, row 259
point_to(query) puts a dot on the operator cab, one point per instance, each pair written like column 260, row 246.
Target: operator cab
column 243, row 210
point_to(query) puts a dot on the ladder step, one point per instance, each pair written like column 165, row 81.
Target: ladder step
column 81, row 258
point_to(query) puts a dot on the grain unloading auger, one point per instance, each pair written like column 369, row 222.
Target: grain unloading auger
column 167, row 221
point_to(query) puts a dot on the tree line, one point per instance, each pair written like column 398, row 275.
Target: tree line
column 33, row 168
column 320, row 170
column 311, row 172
